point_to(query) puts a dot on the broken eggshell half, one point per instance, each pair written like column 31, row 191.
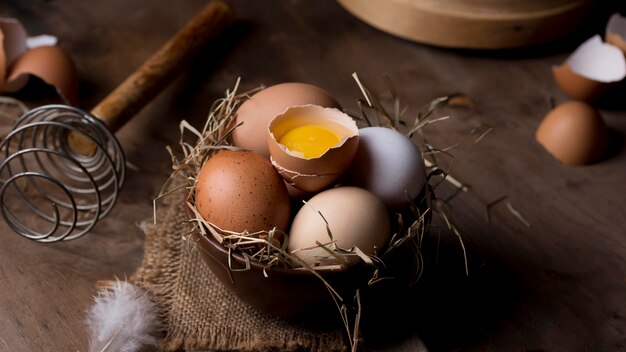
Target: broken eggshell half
column 314, row 173
column 616, row 31
column 12, row 45
column 49, row 63
column 592, row 69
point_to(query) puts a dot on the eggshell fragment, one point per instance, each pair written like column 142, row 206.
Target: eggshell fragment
column 255, row 113
column 587, row 73
column 51, row 64
column 355, row 218
column 616, row 31
column 240, row 191
column 313, row 174
column 388, row 164
column 574, row 133
column 14, row 43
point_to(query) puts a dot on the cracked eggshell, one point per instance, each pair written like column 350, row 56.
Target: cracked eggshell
column 12, row 45
column 574, row 133
column 49, row 63
column 590, row 70
column 313, row 174
column 14, row 42
column 616, row 31
column 256, row 113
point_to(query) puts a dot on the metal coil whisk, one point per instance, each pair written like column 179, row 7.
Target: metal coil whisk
column 50, row 190
column 62, row 167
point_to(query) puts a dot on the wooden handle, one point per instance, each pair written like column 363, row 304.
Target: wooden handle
column 150, row 79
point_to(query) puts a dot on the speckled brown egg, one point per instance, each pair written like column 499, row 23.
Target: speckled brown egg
column 241, row 191
column 574, row 133
column 255, row 114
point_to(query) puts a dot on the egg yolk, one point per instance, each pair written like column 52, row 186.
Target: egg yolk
column 310, row 140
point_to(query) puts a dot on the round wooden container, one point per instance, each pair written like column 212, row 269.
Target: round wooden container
column 473, row 24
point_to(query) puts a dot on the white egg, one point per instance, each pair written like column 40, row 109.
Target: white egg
column 388, row 164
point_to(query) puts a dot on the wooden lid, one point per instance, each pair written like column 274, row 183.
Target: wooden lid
column 473, row 24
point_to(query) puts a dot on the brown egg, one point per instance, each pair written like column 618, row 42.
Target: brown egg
column 51, row 64
column 574, row 133
column 240, row 191
column 255, row 114
column 312, row 173
column 592, row 69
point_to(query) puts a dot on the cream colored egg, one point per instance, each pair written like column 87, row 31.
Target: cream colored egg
column 343, row 216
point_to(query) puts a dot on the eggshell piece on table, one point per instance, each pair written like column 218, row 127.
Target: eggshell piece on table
column 255, row 113
column 316, row 173
column 590, row 70
column 49, row 63
column 240, row 191
column 616, row 31
column 388, row 164
column 15, row 38
column 12, row 45
column 574, row 133
column 355, row 218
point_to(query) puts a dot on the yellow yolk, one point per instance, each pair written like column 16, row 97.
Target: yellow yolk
column 310, row 140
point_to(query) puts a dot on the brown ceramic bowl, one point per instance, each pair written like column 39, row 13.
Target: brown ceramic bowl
column 292, row 293
column 285, row 292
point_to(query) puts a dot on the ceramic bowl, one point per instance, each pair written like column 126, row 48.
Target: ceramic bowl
column 297, row 293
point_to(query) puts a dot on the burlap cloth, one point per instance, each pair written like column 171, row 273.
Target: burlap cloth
column 199, row 313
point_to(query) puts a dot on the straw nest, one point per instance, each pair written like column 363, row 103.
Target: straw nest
column 412, row 225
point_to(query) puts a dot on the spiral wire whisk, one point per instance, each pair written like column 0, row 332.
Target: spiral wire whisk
column 62, row 167
column 51, row 191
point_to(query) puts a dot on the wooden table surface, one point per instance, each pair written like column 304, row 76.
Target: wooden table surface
column 556, row 285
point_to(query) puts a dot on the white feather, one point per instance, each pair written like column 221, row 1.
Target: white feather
column 122, row 319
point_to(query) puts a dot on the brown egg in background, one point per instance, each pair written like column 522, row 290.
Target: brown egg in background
column 574, row 133
column 255, row 113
